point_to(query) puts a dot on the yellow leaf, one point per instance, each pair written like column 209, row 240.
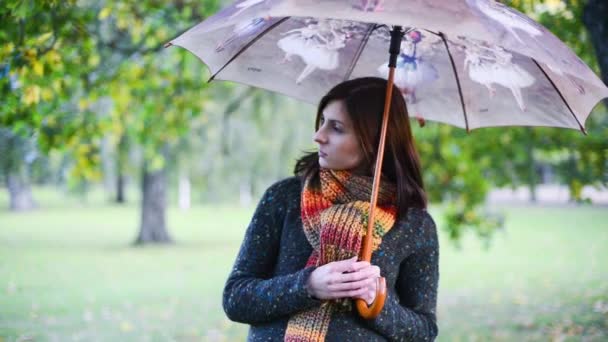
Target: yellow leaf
column 104, row 13
column 57, row 85
column 94, row 60
column 51, row 121
column 122, row 23
column 6, row 49
column 137, row 30
column 29, row 54
column 44, row 37
column 72, row 141
column 31, row 95
column 469, row 215
column 38, row 68
column 126, row 326
column 47, row 94
column 53, row 57
column 84, row 149
column 157, row 163
column 23, row 71
column 161, row 34
column 82, row 104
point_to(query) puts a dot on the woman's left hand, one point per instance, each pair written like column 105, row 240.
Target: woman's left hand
column 370, row 295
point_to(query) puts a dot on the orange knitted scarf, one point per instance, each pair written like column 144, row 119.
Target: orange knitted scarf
column 335, row 212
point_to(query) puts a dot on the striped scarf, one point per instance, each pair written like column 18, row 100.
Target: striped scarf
column 334, row 218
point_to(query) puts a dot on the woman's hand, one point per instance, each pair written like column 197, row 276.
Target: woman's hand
column 344, row 279
column 370, row 295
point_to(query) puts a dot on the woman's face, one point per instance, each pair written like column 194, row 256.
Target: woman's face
column 339, row 147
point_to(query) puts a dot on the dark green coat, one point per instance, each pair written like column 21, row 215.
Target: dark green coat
column 267, row 284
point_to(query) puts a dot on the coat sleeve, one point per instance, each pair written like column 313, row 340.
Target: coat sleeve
column 252, row 294
column 409, row 313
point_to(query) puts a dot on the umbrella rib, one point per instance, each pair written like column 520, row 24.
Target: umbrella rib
column 360, row 51
column 246, row 46
column 464, row 109
column 560, row 95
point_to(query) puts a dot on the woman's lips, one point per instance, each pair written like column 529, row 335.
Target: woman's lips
column 322, row 154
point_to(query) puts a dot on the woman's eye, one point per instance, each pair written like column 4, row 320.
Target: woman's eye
column 337, row 128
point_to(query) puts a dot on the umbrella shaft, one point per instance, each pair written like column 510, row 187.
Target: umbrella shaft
column 396, row 37
column 367, row 241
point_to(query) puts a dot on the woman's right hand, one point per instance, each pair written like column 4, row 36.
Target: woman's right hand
column 342, row 279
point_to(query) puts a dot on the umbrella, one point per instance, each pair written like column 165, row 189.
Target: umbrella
column 468, row 63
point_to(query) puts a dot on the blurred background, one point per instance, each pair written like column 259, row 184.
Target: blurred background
column 127, row 182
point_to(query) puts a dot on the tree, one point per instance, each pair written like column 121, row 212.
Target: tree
column 16, row 156
column 144, row 111
column 68, row 55
column 61, row 59
column 594, row 17
column 40, row 67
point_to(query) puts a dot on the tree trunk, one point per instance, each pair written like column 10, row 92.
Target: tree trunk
column 595, row 18
column 20, row 192
column 107, row 166
column 183, row 192
column 532, row 168
column 121, row 157
column 120, row 187
column 153, row 227
column 532, row 177
column 245, row 193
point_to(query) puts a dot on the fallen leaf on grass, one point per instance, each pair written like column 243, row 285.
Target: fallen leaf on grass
column 126, row 326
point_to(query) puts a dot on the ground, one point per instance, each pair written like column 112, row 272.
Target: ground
column 68, row 272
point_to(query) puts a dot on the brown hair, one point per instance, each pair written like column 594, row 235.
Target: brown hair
column 364, row 101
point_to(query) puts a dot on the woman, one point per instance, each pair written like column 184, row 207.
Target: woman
column 296, row 272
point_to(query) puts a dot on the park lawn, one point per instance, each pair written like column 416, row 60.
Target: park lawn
column 68, row 272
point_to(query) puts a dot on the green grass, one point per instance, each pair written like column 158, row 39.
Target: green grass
column 68, row 272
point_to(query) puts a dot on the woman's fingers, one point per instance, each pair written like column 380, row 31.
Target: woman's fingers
column 369, row 295
column 358, row 293
column 363, row 273
column 353, row 285
column 347, row 265
column 346, row 283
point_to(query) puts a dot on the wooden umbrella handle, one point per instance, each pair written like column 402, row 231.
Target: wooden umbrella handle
column 369, row 312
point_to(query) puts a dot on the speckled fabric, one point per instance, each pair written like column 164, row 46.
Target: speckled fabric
column 267, row 284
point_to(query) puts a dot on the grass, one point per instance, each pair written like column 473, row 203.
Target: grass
column 68, row 272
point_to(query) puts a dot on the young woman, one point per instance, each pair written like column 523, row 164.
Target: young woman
column 297, row 273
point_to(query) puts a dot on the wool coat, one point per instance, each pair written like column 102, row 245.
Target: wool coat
column 268, row 281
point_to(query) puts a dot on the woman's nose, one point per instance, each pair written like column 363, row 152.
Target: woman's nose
column 319, row 137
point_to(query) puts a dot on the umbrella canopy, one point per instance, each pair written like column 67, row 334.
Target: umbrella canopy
column 468, row 63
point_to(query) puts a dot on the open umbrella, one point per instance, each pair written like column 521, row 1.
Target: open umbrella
column 468, row 63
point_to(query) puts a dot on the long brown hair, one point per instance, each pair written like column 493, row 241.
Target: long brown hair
column 364, row 101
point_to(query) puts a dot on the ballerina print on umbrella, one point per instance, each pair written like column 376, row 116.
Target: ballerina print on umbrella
column 412, row 70
column 489, row 65
column 571, row 79
column 513, row 21
column 317, row 44
column 508, row 18
column 244, row 5
column 241, row 30
column 369, row 5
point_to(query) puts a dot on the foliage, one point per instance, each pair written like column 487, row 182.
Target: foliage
column 76, row 73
